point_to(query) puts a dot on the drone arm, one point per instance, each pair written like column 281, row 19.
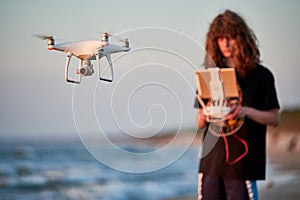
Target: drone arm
column 69, row 56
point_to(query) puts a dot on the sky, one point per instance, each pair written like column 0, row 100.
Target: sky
column 153, row 88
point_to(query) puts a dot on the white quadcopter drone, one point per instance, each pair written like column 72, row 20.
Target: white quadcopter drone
column 86, row 51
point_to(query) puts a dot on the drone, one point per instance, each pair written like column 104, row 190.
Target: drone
column 87, row 51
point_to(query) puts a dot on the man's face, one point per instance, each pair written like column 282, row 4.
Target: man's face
column 226, row 46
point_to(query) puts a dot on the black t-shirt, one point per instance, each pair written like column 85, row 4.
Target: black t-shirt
column 259, row 92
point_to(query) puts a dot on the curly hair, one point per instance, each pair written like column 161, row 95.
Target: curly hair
column 230, row 25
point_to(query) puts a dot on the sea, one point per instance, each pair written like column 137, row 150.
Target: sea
column 69, row 171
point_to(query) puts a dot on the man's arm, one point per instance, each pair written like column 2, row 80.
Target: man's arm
column 269, row 117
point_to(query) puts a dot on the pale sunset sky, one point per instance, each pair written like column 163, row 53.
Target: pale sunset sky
column 36, row 102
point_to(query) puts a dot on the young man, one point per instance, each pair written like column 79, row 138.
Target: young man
column 231, row 43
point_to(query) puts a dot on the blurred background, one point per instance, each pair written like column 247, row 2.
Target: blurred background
column 46, row 124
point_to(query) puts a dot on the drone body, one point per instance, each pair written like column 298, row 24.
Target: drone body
column 86, row 51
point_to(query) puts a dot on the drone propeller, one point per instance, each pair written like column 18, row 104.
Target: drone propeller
column 122, row 40
column 44, row 37
column 109, row 34
column 115, row 36
column 51, row 41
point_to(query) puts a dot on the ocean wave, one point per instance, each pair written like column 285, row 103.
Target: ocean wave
column 72, row 173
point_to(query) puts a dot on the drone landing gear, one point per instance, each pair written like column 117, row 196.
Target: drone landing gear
column 88, row 70
column 69, row 56
column 108, row 57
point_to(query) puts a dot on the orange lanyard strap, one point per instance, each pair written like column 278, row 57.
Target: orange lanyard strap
column 227, row 149
column 230, row 117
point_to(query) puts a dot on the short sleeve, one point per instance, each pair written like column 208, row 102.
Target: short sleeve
column 270, row 100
